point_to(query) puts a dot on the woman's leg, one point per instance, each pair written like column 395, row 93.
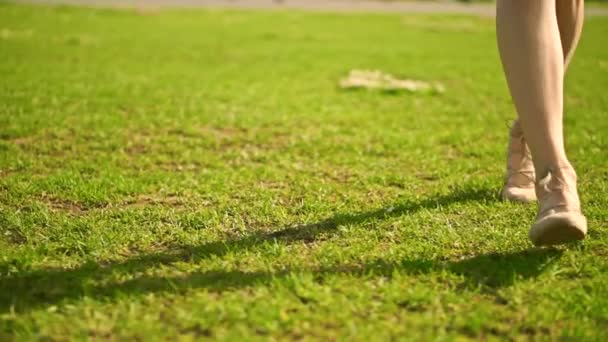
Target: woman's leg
column 519, row 184
column 530, row 46
column 570, row 17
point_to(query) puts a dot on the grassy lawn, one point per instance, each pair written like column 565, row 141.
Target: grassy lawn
column 199, row 173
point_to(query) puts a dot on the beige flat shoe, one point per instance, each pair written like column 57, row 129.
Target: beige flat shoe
column 559, row 219
column 519, row 182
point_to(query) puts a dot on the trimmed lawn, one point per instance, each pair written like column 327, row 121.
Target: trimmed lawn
column 200, row 174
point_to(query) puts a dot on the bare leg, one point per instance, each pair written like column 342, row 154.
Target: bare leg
column 530, row 47
column 570, row 17
column 519, row 184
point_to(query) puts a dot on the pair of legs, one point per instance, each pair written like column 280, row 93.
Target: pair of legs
column 536, row 40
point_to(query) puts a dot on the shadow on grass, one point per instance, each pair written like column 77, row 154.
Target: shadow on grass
column 26, row 290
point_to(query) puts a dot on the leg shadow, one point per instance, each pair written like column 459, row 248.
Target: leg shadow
column 23, row 289
column 42, row 288
column 487, row 272
column 495, row 270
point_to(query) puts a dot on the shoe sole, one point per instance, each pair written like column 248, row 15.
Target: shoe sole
column 558, row 228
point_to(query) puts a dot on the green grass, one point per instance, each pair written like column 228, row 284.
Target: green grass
column 200, row 174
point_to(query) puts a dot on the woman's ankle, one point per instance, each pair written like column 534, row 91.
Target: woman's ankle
column 542, row 170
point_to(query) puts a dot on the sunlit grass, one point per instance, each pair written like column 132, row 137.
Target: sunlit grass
column 201, row 173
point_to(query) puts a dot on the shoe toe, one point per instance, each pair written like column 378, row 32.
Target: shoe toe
column 558, row 227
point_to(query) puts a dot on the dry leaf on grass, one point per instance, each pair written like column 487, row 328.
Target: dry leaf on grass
column 374, row 79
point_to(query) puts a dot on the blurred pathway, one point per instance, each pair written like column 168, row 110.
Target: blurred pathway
column 319, row 5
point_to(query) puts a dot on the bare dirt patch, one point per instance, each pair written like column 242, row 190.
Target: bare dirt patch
column 173, row 201
column 224, row 132
column 170, row 142
column 47, row 142
column 63, row 205
column 21, row 141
